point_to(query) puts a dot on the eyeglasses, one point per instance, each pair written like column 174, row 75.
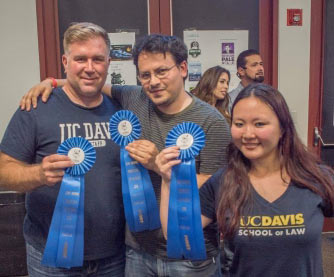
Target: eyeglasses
column 159, row 73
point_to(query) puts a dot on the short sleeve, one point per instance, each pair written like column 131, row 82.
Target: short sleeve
column 209, row 195
column 116, row 92
column 125, row 95
column 19, row 140
column 214, row 153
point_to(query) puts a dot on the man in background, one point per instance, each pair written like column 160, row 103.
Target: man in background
column 249, row 70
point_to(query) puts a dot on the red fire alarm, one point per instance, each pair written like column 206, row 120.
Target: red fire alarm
column 295, row 17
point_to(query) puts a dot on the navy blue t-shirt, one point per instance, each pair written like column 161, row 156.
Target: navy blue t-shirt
column 30, row 136
column 282, row 238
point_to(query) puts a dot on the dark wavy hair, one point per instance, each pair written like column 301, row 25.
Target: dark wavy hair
column 157, row 43
column 241, row 60
column 207, row 84
column 303, row 167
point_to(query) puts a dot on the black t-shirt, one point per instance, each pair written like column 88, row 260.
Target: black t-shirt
column 30, row 136
column 282, row 238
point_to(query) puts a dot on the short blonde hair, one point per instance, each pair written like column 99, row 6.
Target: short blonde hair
column 83, row 31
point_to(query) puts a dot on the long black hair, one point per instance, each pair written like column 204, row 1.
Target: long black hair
column 303, row 167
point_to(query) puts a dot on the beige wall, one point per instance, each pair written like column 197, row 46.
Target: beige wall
column 18, row 54
column 293, row 62
column 20, row 62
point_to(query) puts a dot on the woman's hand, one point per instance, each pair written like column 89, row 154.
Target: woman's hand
column 165, row 160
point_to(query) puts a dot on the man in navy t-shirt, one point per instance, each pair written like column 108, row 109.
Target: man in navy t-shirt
column 28, row 161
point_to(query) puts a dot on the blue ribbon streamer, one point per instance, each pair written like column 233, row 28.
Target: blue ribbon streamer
column 65, row 242
column 140, row 205
column 185, row 234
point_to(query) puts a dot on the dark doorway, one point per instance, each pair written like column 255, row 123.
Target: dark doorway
column 327, row 130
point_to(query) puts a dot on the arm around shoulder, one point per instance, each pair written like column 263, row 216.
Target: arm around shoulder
column 42, row 89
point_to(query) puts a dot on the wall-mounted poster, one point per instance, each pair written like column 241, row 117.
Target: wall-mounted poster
column 121, row 71
column 228, row 53
column 194, row 71
column 210, row 48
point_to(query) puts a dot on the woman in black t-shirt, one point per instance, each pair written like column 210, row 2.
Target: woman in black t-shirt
column 271, row 199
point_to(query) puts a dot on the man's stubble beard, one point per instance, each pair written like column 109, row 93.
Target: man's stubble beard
column 259, row 79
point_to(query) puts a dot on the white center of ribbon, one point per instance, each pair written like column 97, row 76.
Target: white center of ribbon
column 185, row 141
column 124, row 128
column 77, row 155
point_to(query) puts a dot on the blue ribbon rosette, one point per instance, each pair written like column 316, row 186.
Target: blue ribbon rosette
column 65, row 243
column 140, row 205
column 184, row 231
